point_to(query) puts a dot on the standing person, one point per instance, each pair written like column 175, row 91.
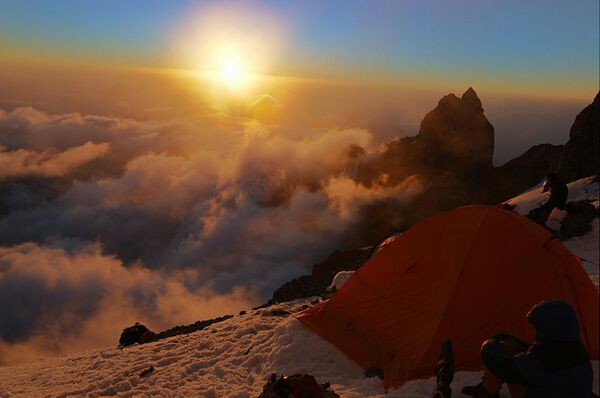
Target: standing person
column 555, row 365
column 558, row 193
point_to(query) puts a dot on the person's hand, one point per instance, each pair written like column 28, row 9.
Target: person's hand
column 510, row 337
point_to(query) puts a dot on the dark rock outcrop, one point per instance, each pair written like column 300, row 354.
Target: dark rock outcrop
column 137, row 333
column 456, row 136
column 578, row 222
column 451, row 155
column 580, row 157
column 140, row 334
column 321, row 276
column 187, row 329
column 520, row 174
column 297, row 385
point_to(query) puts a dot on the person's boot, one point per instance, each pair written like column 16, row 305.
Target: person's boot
column 478, row 392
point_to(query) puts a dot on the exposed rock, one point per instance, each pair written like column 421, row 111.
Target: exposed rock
column 471, row 99
column 520, row 174
column 321, row 276
column 578, row 221
column 451, row 155
column 186, row 329
column 296, row 386
column 456, row 135
column 580, row 157
column 454, row 138
column 137, row 333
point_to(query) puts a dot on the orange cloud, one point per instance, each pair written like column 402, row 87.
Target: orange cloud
column 27, row 163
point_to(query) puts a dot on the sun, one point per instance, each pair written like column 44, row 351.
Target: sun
column 231, row 49
column 233, row 73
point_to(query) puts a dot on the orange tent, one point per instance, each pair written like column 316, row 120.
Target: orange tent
column 465, row 274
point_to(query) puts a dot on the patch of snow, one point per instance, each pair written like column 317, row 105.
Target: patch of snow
column 587, row 248
column 583, row 189
column 340, row 279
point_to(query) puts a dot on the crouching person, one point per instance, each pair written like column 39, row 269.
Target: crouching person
column 555, row 365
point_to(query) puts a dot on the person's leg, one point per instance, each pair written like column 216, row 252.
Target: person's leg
column 517, row 390
column 491, row 385
column 492, row 381
column 513, row 347
column 539, row 216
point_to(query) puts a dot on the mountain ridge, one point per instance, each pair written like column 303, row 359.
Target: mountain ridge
column 453, row 181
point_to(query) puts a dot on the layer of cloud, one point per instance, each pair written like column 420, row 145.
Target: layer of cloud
column 56, row 302
column 27, row 163
column 167, row 223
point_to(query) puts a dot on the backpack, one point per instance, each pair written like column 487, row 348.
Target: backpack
column 296, row 386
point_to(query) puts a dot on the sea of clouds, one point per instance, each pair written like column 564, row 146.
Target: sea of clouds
column 105, row 221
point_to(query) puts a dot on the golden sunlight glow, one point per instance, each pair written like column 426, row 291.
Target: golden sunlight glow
column 230, row 47
column 233, row 73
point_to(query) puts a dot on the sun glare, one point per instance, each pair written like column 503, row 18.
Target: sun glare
column 233, row 73
column 230, row 48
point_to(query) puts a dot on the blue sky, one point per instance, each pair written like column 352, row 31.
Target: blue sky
column 548, row 42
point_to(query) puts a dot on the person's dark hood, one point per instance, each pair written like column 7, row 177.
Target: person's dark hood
column 554, row 320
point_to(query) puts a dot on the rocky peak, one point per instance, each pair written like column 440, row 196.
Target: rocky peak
column 457, row 135
column 580, row 157
column 448, row 100
column 470, row 98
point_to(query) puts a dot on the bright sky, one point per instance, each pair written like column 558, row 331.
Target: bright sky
column 533, row 46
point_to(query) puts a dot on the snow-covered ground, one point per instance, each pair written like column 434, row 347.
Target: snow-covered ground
column 230, row 359
column 584, row 189
column 586, row 247
column 339, row 279
column 235, row 357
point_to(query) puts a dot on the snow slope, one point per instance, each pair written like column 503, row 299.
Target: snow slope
column 584, row 189
column 235, row 357
column 230, row 359
column 585, row 246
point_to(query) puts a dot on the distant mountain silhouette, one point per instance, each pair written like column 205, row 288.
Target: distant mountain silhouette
column 456, row 135
column 454, row 138
column 452, row 154
column 576, row 159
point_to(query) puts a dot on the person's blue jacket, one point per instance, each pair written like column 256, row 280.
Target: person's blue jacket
column 557, row 364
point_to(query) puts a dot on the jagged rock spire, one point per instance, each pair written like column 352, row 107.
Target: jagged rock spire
column 470, row 98
column 457, row 135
